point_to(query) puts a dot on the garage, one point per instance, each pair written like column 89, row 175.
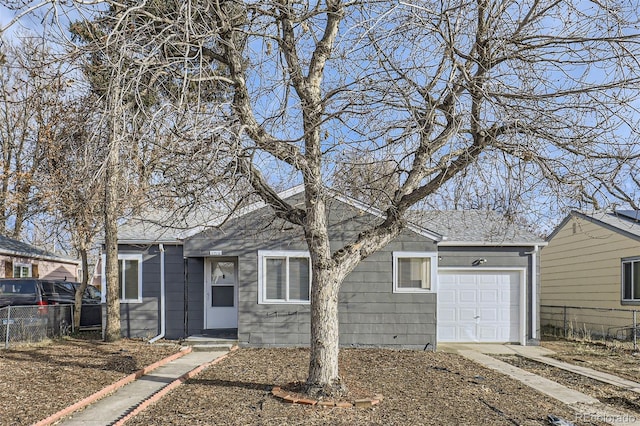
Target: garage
column 484, row 306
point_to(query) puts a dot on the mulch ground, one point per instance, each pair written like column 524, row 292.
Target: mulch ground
column 38, row 380
column 418, row 388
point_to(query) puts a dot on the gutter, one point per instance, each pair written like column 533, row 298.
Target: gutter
column 162, row 298
column 452, row 243
column 534, row 290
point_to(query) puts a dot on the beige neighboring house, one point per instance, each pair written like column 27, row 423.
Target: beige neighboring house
column 592, row 261
column 18, row 259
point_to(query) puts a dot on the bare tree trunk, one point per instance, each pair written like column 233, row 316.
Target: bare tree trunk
column 112, row 331
column 83, row 285
column 324, row 378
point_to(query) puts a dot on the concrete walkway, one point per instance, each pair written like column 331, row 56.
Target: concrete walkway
column 109, row 410
column 586, row 407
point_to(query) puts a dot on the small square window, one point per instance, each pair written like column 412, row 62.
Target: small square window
column 21, row 270
column 414, row 272
column 222, row 295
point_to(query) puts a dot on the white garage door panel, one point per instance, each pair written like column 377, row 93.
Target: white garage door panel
column 447, row 296
column 479, row 306
column 448, row 315
column 467, row 296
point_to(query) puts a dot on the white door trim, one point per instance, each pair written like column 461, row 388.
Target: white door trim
column 522, row 327
column 230, row 314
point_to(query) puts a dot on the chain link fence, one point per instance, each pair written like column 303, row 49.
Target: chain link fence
column 580, row 323
column 31, row 324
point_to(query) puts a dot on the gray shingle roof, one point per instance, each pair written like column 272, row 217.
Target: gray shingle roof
column 457, row 227
column 10, row 246
column 163, row 226
column 475, row 227
column 622, row 221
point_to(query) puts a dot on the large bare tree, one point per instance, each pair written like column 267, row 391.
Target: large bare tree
column 548, row 86
column 543, row 91
column 32, row 89
column 70, row 181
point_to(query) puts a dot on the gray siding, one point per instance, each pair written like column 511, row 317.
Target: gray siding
column 195, row 296
column 174, row 276
column 143, row 319
column 370, row 313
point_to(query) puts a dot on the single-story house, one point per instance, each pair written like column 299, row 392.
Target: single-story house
column 18, row 259
column 449, row 277
column 591, row 266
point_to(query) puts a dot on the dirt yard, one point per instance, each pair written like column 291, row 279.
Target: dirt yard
column 39, row 380
column 418, row 387
column 607, row 357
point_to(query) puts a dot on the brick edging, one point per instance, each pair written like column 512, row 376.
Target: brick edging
column 111, row 388
column 165, row 390
column 290, row 398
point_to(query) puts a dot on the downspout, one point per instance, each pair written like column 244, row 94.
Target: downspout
column 534, row 291
column 162, row 298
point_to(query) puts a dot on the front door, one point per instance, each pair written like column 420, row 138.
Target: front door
column 221, row 293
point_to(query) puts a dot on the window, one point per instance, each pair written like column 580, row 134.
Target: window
column 284, row 277
column 21, row 270
column 414, row 272
column 631, row 280
column 130, row 277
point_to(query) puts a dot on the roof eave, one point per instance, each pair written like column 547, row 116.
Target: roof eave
column 147, row 242
column 492, row 244
column 40, row 257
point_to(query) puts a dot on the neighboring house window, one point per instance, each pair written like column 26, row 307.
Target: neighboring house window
column 21, row 270
column 284, row 277
column 130, row 277
column 631, row 280
column 414, row 272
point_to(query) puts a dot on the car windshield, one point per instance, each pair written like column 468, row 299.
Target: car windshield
column 18, row 287
column 93, row 292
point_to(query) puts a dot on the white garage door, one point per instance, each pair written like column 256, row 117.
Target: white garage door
column 479, row 306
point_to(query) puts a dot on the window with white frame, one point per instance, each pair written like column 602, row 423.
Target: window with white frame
column 129, row 277
column 414, row 272
column 21, row 270
column 631, row 280
column 284, row 277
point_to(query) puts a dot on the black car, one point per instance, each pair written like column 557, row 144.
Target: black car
column 32, row 291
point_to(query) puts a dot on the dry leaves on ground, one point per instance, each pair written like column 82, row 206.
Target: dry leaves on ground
column 606, row 357
column 624, row 400
column 418, row 388
column 40, row 379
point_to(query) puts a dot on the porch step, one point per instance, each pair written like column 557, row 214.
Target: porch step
column 209, row 344
column 211, row 347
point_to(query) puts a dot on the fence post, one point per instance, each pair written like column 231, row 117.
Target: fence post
column 635, row 331
column 6, row 341
column 564, row 320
